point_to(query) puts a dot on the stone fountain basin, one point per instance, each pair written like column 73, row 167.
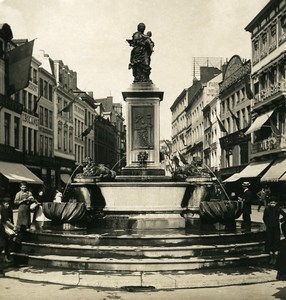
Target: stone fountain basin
column 220, row 211
column 143, row 196
column 64, row 212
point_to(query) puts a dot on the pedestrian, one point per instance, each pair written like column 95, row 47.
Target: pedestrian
column 281, row 258
column 271, row 216
column 7, row 228
column 58, row 196
column 247, row 198
column 24, row 198
column 39, row 217
column 263, row 196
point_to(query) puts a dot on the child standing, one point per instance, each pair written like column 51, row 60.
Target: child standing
column 271, row 216
column 6, row 220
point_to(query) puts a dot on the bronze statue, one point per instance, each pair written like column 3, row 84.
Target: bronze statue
column 141, row 54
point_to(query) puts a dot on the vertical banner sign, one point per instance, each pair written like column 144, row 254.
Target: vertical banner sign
column 19, row 62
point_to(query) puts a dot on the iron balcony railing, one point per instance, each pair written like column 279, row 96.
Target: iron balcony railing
column 272, row 143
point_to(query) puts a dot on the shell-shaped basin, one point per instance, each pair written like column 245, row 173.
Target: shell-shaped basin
column 220, row 211
column 64, row 212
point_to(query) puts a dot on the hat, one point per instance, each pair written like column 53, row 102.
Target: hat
column 245, row 183
column 272, row 199
column 5, row 199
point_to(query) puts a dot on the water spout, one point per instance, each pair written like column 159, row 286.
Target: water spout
column 124, row 156
column 221, row 185
column 69, row 181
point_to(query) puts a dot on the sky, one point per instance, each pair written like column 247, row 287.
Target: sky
column 90, row 37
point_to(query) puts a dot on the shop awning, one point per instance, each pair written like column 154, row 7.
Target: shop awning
column 234, row 177
column 65, row 178
column 276, row 171
column 259, row 121
column 254, row 169
column 17, row 172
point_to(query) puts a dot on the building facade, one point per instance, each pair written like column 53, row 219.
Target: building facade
column 268, row 128
column 235, row 116
column 110, row 145
column 188, row 117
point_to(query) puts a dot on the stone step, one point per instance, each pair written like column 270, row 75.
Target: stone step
column 141, row 251
column 137, row 281
column 135, row 264
column 143, row 239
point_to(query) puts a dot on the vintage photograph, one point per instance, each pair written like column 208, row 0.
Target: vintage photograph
column 142, row 149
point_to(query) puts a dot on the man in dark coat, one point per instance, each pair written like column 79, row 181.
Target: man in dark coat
column 271, row 219
column 281, row 259
column 247, row 198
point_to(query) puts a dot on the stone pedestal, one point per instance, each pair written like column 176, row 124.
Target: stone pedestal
column 143, row 129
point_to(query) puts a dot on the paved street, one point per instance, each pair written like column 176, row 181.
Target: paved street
column 12, row 289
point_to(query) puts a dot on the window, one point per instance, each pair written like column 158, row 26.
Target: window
column 46, row 118
column 41, row 115
column 50, row 147
column 272, row 40
column 282, row 29
column 35, row 141
column 46, row 146
column 30, row 101
column 46, row 89
column 41, row 150
column 30, row 141
column 59, row 138
column 35, row 76
column 24, row 97
column 50, row 92
column 41, row 87
column 70, row 142
column 75, row 151
column 255, row 51
column 30, row 73
column 24, row 139
column 65, row 140
column 7, row 123
column 50, row 119
column 244, row 153
column 16, row 132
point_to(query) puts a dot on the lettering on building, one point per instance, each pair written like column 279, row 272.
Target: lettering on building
column 30, row 120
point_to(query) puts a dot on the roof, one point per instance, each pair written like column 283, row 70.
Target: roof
column 178, row 99
column 261, row 14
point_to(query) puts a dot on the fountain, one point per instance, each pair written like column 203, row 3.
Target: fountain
column 143, row 220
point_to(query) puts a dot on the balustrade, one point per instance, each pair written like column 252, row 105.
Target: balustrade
column 271, row 143
column 273, row 89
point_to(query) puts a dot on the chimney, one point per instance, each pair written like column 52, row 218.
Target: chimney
column 90, row 94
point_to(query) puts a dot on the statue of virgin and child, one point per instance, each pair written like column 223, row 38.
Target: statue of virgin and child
column 140, row 58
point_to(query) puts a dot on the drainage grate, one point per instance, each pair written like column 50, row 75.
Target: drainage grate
column 138, row 288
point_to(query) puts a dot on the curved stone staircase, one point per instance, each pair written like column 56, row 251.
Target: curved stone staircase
column 141, row 250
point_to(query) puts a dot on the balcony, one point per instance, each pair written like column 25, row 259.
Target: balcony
column 271, row 145
column 274, row 91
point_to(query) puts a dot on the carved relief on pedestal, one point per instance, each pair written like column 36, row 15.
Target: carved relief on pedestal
column 142, row 127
